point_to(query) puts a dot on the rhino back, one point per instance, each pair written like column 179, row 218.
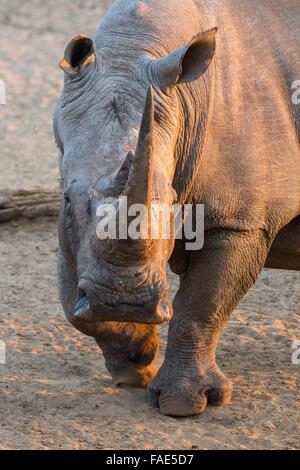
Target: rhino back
column 252, row 139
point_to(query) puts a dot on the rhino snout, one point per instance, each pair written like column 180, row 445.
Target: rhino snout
column 91, row 306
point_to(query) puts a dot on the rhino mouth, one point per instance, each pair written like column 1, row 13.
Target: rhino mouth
column 124, row 295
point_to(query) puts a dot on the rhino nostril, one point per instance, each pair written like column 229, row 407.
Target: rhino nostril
column 81, row 293
column 82, row 307
column 164, row 310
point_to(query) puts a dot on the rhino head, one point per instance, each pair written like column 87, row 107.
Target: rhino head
column 117, row 125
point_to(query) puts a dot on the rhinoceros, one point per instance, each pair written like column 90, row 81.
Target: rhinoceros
column 187, row 102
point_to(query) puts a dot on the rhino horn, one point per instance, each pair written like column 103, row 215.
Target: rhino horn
column 138, row 190
column 139, row 185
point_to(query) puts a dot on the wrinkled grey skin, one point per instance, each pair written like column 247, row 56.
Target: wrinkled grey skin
column 225, row 134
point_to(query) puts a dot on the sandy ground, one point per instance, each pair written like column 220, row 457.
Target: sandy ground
column 33, row 36
column 54, row 389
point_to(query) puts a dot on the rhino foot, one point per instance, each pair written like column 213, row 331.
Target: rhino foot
column 188, row 395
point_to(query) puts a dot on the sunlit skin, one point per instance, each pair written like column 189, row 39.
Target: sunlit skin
column 188, row 102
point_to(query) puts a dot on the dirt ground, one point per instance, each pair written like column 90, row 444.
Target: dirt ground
column 55, row 392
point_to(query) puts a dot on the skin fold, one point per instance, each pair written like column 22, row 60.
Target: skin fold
column 188, row 102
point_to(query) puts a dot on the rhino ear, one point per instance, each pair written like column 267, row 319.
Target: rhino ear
column 79, row 54
column 187, row 63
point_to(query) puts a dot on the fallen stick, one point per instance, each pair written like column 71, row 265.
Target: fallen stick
column 29, row 203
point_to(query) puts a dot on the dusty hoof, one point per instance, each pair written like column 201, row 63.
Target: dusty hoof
column 188, row 397
column 180, row 406
column 134, row 376
column 220, row 396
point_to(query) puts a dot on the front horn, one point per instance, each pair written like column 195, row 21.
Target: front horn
column 139, row 185
column 138, row 190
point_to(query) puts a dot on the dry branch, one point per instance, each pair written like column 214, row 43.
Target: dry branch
column 28, row 203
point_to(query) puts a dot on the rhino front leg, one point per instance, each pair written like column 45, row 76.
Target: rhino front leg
column 129, row 348
column 216, row 279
